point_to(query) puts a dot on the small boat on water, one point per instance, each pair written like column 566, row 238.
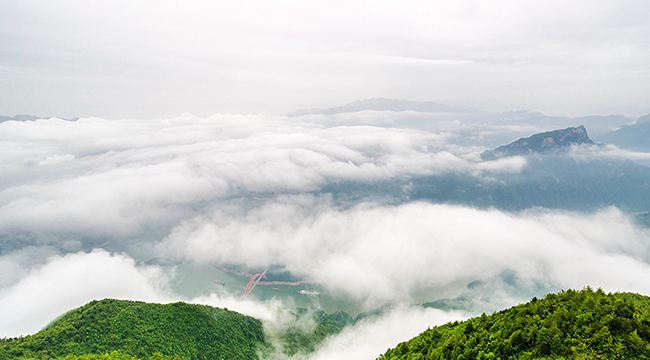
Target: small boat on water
column 308, row 292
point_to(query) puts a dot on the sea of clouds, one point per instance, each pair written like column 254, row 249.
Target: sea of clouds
column 98, row 208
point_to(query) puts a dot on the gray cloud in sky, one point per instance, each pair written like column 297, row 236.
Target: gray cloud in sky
column 161, row 58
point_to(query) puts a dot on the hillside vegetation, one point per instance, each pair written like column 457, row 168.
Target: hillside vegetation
column 295, row 340
column 583, row 324
column 124, row 330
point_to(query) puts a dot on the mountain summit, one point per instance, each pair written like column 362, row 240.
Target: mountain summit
column 546, row 142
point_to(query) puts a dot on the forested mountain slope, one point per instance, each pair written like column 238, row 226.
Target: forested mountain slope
column 143, row 330
column 570, row 325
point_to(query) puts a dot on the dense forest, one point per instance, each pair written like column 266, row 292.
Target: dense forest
column 128, row 330
column 583, row 324
column 124, row 330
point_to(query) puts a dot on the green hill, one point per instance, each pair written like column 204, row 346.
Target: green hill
column 118, row 329
column 583, row 324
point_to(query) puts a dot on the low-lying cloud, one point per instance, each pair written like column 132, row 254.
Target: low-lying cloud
column 369, row 338
column 101, row 177
column 65, row 282
column 261, row 191
column 379, row 253
column 68, row 281
column 610, row 152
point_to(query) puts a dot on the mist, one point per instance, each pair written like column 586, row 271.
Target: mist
column 97, row 208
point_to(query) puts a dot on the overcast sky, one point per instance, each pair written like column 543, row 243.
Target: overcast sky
column 130, row 58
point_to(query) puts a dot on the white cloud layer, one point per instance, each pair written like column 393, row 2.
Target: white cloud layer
column 611, row 152
column 66, row 282
column 98, row 176
column 61, row 283
column 369, row 338
column 379, row 253
column 247, row 189
column 374, row 253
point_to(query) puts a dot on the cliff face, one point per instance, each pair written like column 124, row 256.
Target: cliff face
column 546, row 142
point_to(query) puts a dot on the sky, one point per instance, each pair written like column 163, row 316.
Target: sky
column 149, row 59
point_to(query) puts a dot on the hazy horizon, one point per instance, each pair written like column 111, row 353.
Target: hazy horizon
column 147, row 59
column 317, row 109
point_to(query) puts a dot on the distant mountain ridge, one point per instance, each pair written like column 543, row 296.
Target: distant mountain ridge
column 635, row 136
column 547, row 142
column 27, row 117
column 19, row 117
column 384, row 104
column 598, row 124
